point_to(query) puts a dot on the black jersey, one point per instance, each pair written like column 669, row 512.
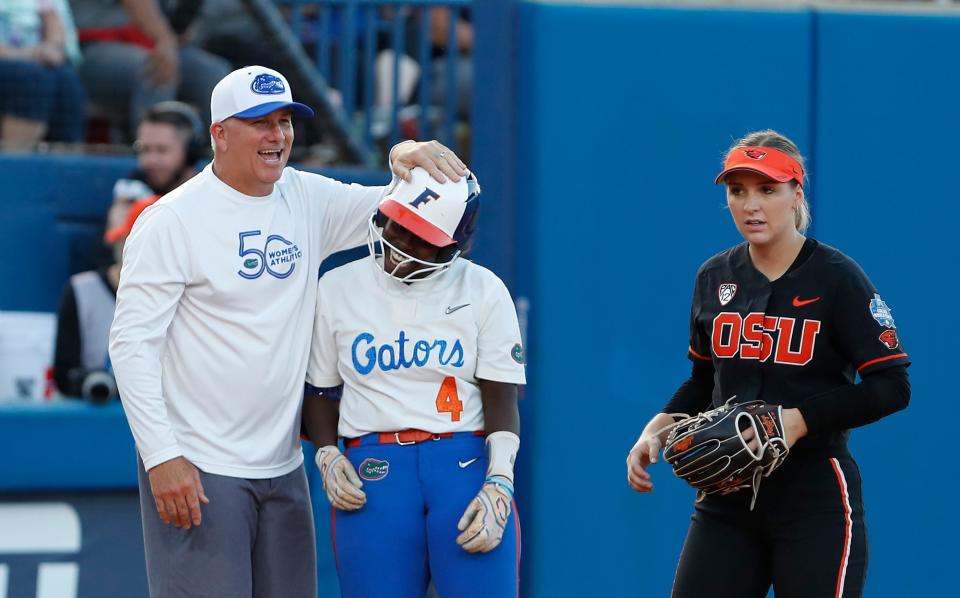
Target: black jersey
column 806, row 333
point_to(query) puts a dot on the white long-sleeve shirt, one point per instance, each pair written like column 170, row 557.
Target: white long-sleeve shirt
column 214, row 317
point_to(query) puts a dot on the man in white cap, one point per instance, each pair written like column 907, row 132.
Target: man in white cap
column 210, row 341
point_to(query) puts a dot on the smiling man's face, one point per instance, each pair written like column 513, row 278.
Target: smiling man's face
column 252, row 152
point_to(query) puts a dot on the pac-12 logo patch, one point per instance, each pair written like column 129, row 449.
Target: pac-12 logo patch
column 889, row 339
column 727, row 291
column 374, row 469
column 880, row 312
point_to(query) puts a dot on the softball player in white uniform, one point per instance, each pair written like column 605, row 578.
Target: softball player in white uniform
column 428, row 350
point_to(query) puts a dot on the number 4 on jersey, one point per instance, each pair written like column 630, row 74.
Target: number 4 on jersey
column 448, row 401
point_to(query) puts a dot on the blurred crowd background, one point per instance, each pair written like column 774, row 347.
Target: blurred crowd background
column 78, row 75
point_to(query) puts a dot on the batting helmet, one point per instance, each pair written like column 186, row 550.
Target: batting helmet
column 442, row 214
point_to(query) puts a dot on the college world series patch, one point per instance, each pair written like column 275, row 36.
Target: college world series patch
column 881, row 312
column 373, row 469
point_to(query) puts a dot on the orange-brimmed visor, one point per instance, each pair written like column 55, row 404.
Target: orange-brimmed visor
column 767, row 161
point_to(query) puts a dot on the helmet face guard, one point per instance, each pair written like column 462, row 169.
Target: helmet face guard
column 379, row 248
column 441, row 214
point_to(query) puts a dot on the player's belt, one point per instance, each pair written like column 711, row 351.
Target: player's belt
column 403, row 437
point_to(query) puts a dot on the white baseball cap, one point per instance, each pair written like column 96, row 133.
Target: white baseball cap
column 253, row 91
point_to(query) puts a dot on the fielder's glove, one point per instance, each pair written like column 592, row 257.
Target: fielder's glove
column 483, row 522
column 712, row 454
column 340, row 481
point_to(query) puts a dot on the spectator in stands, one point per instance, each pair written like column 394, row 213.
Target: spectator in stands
column 42, row 95
column 412, row 73
column 81, row 365
column 227, row 29
column 463, row 69
column 170, row 142
column 135, row 56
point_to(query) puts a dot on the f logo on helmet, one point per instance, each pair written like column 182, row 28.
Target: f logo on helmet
column 427, row 195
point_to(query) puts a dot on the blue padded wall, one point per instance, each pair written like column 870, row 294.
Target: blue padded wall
column 625, row 116
column 55, row 208
column 887, row 130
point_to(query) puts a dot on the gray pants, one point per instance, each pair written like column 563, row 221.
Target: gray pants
column 256, row 541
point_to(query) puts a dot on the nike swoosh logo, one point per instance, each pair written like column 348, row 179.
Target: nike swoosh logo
column 466, row 464
column 797, row 302
column 451, row 308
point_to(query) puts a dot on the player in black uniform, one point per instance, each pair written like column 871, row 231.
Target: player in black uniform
column 788, row 320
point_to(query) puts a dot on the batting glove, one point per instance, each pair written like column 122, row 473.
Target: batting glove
column 340, row 481
column 483, row 522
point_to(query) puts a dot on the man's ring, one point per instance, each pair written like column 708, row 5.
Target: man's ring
column 442, row 154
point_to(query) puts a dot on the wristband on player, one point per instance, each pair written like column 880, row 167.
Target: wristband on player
column 501, row 483
column 502, row 450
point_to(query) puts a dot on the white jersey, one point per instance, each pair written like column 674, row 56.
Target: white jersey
column 212, row 329
column 410, row 356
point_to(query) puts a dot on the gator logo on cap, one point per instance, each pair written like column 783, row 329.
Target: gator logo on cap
column 754, row 154
column 267, row 84
column 374, row 469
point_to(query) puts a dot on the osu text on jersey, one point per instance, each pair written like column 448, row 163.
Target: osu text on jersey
column 758, row 336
